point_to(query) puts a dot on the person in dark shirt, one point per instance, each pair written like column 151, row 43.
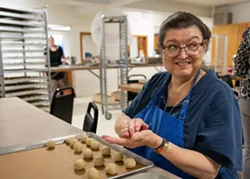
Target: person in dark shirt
column 242, row 67
column 56, row 58
column 185, row 120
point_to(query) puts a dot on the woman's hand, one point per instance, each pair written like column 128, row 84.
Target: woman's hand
column 133, row 126
column 64, row 61
column 143, row 138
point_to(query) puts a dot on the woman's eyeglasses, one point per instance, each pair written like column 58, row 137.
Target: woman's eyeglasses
column 174, row 50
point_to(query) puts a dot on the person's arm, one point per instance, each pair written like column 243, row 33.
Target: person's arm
column 191, row 162
column 194, row 163
column 138, row 104
column 243, row 55
column 63, row 59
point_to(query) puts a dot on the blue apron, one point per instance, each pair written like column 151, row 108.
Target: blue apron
column 170, row 128
column 166, row 126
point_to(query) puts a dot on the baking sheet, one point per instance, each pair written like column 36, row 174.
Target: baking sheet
column 32, row 161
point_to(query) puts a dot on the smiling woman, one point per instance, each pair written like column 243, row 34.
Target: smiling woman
column 184, row 120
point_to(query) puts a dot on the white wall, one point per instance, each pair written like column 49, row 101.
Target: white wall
column 90, row 46
column 240, row 11
column 141, row 24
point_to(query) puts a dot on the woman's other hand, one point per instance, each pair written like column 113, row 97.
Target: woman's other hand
column 133, row 126
column 64, row 61
column 142, row 138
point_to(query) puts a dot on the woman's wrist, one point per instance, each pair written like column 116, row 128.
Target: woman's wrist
column 155, row 141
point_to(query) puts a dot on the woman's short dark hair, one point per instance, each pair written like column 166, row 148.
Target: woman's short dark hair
column 181, row 20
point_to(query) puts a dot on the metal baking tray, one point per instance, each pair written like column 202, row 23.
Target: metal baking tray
column 21, row 16
column 14, row 80
column 20, row 87
column 22, row 10
column 22, row 64
column 14, row 29
column 19, row 23
column 21, row 38
column 26, row 70
column 11, row 44
column 21, row 57
column 23, row 147
column 22, row 51
column 20, row 93
column 43, row 102
column 41, row 97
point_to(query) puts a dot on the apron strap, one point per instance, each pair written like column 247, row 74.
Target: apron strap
column 185, row 104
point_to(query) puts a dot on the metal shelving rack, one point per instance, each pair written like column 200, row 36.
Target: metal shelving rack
column 123, row 61
column 24, row 65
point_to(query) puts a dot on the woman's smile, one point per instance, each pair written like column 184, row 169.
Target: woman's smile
column 183, row 63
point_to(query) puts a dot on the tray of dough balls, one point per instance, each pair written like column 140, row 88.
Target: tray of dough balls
column 78, row 156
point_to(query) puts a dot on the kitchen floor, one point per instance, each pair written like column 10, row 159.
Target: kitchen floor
column 105, row 127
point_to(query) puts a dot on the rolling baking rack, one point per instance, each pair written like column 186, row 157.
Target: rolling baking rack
column 123, row 61
column 24, row 63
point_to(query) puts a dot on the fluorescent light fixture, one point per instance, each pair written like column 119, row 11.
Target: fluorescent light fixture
column 59, row 27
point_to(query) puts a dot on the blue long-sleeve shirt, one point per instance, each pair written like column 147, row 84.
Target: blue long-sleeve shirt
column 212, row 125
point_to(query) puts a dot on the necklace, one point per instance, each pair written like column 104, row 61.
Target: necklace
column 176, row 103
column 184, row 95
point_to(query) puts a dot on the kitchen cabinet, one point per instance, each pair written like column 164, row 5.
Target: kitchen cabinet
column 234, row 33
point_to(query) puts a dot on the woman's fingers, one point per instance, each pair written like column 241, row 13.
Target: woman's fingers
column 145, row 126
column 115, row 140
column 131, row 127
column 140, row 125
column 125, row 132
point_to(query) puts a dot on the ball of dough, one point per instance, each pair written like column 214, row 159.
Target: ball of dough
column 89, row 141
column 94, row 145
column 79, row 164
column 72, row 142
column 78, row 147
column 92, row 173
column 130, row 163
column 87, row 154
column 50, row 144
column 68, row 140
column 105, row 151
column 99, row 161
column 111, row 169
column 118, row 157
column 84, row 138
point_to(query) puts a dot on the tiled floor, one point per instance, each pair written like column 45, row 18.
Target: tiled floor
column 104, row 126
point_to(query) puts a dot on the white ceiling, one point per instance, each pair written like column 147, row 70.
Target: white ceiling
column 130, row 2
column 211, row 2
column 89, row 8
